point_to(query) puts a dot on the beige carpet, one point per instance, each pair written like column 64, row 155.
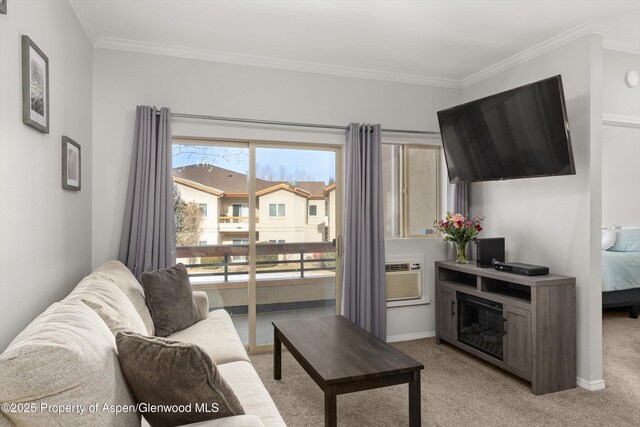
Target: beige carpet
column 459, row 389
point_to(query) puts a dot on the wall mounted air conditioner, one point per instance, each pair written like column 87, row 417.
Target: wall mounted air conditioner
column 404, row 281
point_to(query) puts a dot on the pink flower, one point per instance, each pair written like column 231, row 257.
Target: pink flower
column 457, row 217
column 457, row 224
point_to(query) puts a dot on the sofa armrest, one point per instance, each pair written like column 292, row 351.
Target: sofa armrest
column 235, row 421
column 202, row 301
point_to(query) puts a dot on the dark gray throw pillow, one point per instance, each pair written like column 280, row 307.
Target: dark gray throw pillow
column 170, row 299
column 164, row 372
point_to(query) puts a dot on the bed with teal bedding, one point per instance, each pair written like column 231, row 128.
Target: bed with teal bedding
column 621, row 272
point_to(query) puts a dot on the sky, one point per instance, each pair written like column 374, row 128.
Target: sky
column 317, row 165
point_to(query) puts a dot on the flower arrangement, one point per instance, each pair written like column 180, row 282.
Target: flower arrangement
column 460, row 230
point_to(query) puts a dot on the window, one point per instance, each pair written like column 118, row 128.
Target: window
column 276, row 241
column 410, row 181
column 203, row 209
column 239, row 210
column 202, row 243
column 276, row 209
column 313, row 210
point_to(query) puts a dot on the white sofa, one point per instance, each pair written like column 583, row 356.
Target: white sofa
column 63, row 368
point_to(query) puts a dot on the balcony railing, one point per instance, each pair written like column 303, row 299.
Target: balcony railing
column 223, row 219
column 221, row 264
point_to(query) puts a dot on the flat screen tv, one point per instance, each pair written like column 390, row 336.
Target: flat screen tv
column 520, row 133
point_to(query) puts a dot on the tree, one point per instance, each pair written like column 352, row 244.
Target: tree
column 188, row 220
column 189, row 235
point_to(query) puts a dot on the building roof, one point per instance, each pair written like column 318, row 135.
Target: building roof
column 224, row 180
column 235, row 183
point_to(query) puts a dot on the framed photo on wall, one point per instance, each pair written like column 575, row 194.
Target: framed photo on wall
column 71, row 164
column 35, row 86
column 3, row 7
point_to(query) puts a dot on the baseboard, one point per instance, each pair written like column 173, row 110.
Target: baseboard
column 590, row 385
column 410, row 337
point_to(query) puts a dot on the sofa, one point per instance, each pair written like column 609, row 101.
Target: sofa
column 63, row 368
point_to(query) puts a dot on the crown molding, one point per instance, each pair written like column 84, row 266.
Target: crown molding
column 528, row 54
column 86, row 21
column 620, row 120
column 622, row 47
column 267, row 62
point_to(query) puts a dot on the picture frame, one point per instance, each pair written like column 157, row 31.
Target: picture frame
column 71, row 164
column 35, row 86
column 3, row 7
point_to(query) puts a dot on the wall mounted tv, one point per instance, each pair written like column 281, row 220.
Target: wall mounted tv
column 520, row 133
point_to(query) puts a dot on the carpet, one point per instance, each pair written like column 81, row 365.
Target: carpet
column 460, row 389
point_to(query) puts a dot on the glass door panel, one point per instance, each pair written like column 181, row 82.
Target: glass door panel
column 295, row 252
column 211, row 195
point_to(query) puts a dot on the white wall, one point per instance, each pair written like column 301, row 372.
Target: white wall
column 555, row 221
column 621, row 176
column 618, row 98
column 45, row 243
column 620, row 144
column 123, row 80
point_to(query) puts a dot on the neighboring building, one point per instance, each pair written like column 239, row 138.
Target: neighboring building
column 284, row 213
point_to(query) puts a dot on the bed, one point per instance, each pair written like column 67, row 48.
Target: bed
column 621, row 270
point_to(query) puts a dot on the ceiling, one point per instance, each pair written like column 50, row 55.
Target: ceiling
column 441, row 42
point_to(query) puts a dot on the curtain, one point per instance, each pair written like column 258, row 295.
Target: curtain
column 460, row 198
column 459, row 204
column 148, row 230
column 364, row 286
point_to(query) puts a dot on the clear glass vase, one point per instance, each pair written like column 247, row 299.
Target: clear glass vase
column 461, row 253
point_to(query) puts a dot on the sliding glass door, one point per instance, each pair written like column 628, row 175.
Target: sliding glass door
column 257, row 227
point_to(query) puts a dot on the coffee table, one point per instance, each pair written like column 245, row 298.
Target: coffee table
column 344, row 358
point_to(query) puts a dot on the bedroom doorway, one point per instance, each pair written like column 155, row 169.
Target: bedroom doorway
column 621, row 219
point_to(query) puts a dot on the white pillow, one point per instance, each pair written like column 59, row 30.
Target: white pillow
column 608, row 238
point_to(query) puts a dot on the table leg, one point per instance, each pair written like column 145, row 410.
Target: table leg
column 277, row 356
column 414, row 400
column 330, row 410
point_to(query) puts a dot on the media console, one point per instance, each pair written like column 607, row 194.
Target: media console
column 523, row 324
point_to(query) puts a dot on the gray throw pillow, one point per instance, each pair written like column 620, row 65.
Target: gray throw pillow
column 170, row 299
column 163, row 372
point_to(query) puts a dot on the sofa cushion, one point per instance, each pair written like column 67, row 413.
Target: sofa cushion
column 253, row 396
column 235, row 421
column 66, row 356
column 126, row 281
column 217, row 336
column 112, row 305
column 170, row 299
column 165, row 372
column 4, row 421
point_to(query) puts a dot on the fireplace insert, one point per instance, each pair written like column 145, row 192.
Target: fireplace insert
column 480, row 324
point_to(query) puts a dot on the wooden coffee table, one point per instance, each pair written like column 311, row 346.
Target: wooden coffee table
column 344, row 358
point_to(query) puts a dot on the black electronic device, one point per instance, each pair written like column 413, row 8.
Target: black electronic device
column 522, row 269
column 519, row 133
column 489, row 251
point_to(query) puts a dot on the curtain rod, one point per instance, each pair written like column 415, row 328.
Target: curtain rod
column 296, row 124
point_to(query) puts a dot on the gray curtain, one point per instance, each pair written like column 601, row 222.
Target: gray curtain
column 460, row 198
column 148, row 230
column 459, row 203
column 364, row 286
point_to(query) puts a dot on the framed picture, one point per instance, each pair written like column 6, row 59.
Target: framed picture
column 71, row 164
column 3, row 7
column 35, row 86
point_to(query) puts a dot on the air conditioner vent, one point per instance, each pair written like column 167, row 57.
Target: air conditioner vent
column 389, row 268
column 404, row 281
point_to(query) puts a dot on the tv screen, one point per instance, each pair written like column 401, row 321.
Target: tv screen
column 520, row 133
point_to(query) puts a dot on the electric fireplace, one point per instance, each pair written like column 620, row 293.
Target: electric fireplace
column 480, row 324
